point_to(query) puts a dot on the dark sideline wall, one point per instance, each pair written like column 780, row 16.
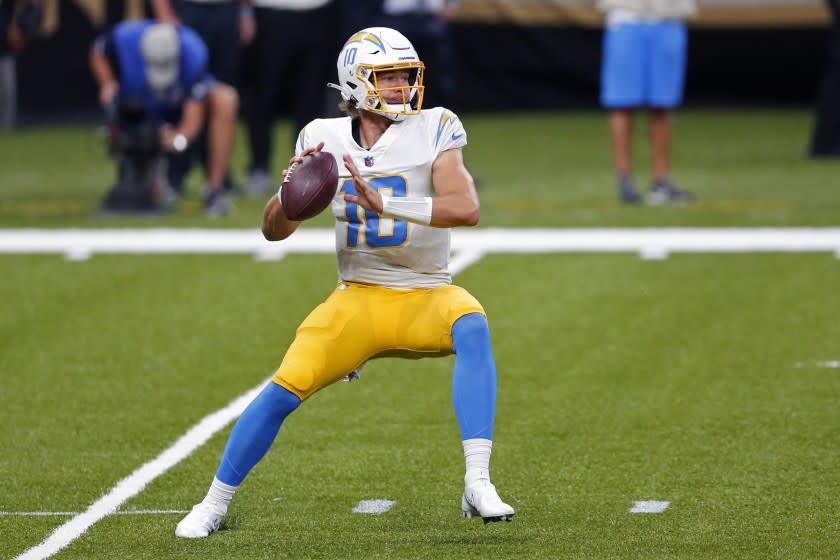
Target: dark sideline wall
column 509, row 56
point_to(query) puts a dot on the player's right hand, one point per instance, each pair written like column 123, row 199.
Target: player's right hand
column 107, row 93
column 299, row 158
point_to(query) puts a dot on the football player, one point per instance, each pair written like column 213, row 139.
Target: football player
column 404, row 186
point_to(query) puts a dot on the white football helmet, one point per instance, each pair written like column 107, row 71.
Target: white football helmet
column 373, row 50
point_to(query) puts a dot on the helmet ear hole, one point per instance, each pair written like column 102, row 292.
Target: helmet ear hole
column 351, row 98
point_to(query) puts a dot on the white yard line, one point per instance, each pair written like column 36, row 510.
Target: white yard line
column 462, row 260
column 649, row 243
column 649, row 506
column 69, row 513
column 150, row 511
column 134, row 483
column 39, row 513
column 374, row 507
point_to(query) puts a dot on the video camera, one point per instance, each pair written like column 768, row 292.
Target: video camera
column 134, row 141
column 131, row 131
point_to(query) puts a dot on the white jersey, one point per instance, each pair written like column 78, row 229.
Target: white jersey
column 384, row 251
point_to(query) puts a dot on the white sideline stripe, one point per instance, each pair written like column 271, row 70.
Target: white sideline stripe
column 653, row 254
column 374, row 507
column 270, row 254
column 462, row 260
column 134, row 483
column 828, row 364
column 649, row 506
column 78, row 254
column 68, row 513
column 78, row 244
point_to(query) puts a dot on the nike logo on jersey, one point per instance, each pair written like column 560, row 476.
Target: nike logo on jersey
column 456, row 136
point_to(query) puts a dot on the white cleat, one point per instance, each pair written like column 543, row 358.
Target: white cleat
column 205, row 518
column 482, row 500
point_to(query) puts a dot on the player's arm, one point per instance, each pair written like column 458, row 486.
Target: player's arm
column 247, row 22
column 195, row 108
column 276, row 226
column 103, row 73
column 192, row 118
column 164, row 12
column 456, row 203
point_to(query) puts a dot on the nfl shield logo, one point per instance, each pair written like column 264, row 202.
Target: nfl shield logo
column 369, row 161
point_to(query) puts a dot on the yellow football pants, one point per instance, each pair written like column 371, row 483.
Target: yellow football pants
column 359, row 322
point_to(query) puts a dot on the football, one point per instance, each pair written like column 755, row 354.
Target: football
column 309, row 186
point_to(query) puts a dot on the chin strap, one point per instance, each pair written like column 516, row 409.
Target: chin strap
column 351, row 99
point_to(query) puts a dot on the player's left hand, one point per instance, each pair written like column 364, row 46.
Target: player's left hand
column 247, row 28
column 366, row 197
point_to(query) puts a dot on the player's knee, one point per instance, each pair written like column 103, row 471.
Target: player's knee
column 274, row 401
column 471, row 333
column 296, row 377
column 223, row 100
column 282, row 398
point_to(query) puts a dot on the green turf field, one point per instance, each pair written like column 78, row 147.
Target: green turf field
column 747, row 168
column 707, row 381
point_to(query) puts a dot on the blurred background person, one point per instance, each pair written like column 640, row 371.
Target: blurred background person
column 19, row 20
column 355, row 15
column 826, row 138
column 224, row 26
column 426, row 23
column 643, row 67
column 163, row 69
column 290, row 60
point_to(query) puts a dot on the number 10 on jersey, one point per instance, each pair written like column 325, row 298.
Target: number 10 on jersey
column 379, row 232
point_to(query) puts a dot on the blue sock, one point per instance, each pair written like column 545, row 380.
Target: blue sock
column 474, row 377
column 254, row 432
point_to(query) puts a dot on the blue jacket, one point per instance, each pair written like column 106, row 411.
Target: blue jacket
column 121, row 46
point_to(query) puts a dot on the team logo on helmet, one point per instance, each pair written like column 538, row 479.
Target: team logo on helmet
column 363, row 36
column 368, row 54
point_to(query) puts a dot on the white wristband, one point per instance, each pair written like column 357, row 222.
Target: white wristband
column 179, row 142
column 417, row 210
column 279, row 199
